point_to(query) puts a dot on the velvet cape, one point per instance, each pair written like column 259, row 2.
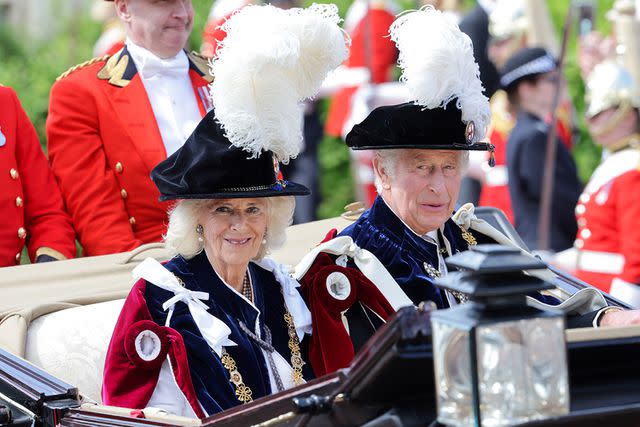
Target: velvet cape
column 209, row 377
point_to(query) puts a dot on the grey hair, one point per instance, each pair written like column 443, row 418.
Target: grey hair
column 182, row 238
column 388, row 160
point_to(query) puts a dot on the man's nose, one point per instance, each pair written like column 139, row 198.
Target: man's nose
column 182, row 8
column 436, row 184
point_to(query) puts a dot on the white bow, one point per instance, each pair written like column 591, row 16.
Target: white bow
column 466, row 219
column 152, row 66
column 365, row 261
column 213, row 330
column 292, row 299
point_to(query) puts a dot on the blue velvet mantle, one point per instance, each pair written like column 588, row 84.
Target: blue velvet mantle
column 403, row 252
column 211, row 379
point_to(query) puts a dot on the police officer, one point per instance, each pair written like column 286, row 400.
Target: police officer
column 529, row 78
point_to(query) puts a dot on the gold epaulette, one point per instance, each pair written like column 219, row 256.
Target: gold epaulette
column 84, row 64
column 202, row 63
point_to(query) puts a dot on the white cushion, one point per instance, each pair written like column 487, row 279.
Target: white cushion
column 71, row 344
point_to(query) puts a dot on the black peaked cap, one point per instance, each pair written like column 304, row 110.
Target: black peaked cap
column 207, row 166
column 525, row 63
column 410, row 125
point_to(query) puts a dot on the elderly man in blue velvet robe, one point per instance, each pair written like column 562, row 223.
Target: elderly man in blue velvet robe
column 421, row 152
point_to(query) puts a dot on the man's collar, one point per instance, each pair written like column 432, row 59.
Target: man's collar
column 150, row 65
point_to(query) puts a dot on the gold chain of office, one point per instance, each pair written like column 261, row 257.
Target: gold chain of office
column 243, row 392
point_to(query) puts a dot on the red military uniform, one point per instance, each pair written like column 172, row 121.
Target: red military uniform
column 213, row 34
column 608, row 240
column 371, row 48
column 103, row 142
column 30, row 202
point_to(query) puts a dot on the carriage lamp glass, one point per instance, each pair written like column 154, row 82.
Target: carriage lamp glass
column 498, row 362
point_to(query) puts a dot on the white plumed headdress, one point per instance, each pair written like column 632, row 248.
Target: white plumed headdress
column 438, row 65
column 270, row 61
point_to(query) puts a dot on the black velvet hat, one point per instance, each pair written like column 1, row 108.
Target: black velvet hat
column 527, row 62
column 208, row 166
column 410, row 125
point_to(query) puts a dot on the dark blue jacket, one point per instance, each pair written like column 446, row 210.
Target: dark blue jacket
column 526, row 149
column 210, row 378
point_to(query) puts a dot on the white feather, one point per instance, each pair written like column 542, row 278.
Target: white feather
column 438, row 65
column 270, row 61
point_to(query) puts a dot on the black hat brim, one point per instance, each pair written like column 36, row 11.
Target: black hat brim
column 276, row 190
column 478, row 146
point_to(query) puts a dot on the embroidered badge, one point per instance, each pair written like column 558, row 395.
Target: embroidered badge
column 470, row 132
column 338, row 286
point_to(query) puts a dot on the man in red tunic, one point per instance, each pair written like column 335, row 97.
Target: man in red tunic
column 112, row 119
column 608, row 244
column 30, row 201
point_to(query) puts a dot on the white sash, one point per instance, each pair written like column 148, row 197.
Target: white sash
column 365, row 261
column 213, row 330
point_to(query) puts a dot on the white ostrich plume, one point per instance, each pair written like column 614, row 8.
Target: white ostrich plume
column 270, row 61
column 438, row 65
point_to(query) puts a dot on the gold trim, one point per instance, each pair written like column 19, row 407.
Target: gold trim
column 114, row 69
column 82, row 65
column 294, row 345
column 243, row 392
column 631, row 141
column 468, row 237
column 202, row 64
column 613, row 121
column 50, row 252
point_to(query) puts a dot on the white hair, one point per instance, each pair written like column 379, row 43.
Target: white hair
column 182, row 238
column 388, row 160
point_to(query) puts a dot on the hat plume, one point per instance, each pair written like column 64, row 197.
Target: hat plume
column 270, row 61
column 438, row 65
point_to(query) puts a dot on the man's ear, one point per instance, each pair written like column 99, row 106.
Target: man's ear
column 381, row 172
column 122, row 10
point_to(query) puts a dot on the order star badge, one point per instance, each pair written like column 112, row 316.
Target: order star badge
column 470, row 132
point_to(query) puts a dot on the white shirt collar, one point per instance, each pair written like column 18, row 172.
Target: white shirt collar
column 149, row 65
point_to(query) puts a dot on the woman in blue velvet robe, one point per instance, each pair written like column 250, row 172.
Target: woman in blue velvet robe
column 218, row 324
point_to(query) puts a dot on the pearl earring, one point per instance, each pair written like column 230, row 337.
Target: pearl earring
column 200, row 231
column 264, row 238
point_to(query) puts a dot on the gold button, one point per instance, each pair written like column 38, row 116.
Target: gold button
column 582, row 222
column 119, row 167
column 124, row 194
column 132, row 220
column 18, row 256
column 584, row 198
column 585, row 233
column 580, row 209
column 22, row 233
column 18, row 201
column 579, row 243
column 14, row 174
